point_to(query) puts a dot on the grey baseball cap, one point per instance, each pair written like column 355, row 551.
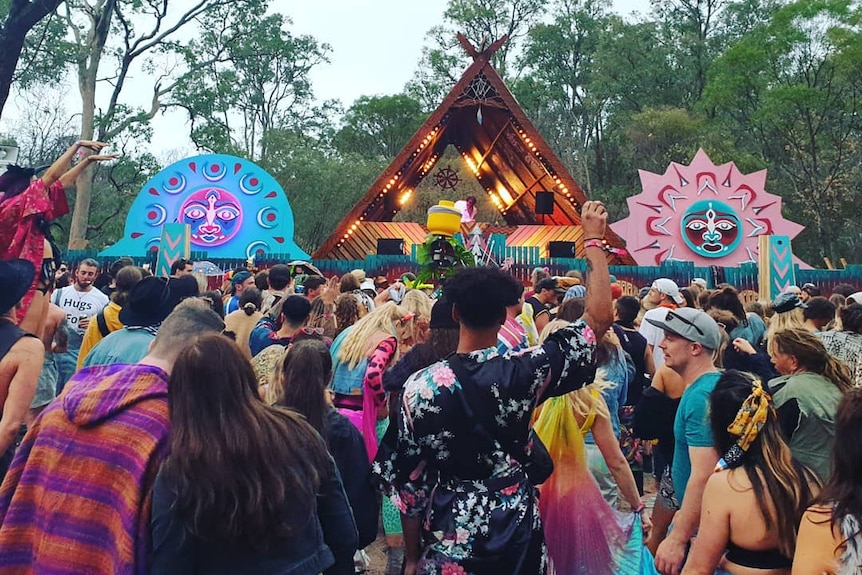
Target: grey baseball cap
column 691, row 324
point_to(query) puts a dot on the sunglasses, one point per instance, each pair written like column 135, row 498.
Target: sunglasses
column 312, row 330
column 672, row 316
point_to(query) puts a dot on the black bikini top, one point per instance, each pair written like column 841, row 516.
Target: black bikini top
column 763, row 559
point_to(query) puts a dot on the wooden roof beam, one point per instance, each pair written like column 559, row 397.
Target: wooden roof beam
column 493, row 143
column 485, row 53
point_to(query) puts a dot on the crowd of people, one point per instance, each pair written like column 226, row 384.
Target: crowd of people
column 150, row 425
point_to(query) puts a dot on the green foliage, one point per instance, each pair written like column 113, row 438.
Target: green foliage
column 767, row 84
column 482, row 22
column 432, row 271
column 321, row 186
column 379, row 126
column 249, row 79
column 46, row 53
column 115, row 187
column 790, row 93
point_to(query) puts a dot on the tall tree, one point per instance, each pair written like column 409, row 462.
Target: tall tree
column 560, row 56
column 21, row 17
column 249, row 81
column 692, row 27
column 482, row 22
column 313, row 176
column 44, row 130
column 792, row 91
column 112, row 40
column 379, row 126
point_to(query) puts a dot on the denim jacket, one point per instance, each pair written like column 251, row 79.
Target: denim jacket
column 329, row 539
column 346, row 381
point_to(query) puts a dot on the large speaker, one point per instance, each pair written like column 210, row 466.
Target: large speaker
column 544, row 203
column 390, row 247
column 561, row 249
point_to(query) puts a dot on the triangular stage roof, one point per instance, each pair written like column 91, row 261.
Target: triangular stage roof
column 482, row 119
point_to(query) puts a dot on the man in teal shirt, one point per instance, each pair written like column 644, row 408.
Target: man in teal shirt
column 691, row 339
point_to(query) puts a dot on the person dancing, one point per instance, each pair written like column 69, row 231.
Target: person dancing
column 26, row 204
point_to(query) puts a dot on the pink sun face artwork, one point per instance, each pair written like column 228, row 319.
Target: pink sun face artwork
column 702, row 213
column 214, row 214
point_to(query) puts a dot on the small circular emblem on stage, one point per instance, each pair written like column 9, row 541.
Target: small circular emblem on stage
column 446, row 178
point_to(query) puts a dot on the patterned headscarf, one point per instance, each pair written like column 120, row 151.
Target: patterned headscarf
column 747, row 424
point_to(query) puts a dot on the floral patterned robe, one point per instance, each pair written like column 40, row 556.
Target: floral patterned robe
column 20, row 236
column 480, row 511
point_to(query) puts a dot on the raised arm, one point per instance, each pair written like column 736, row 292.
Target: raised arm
column 598, row 312
column 68, row 179
column 61, row 165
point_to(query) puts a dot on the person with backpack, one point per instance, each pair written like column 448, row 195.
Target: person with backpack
column 108, row 320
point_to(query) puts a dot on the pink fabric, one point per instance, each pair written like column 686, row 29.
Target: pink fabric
column 20, row 236
column 373, row 395
column 354, row 416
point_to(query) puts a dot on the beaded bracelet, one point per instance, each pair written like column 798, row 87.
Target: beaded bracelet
column 602, row 244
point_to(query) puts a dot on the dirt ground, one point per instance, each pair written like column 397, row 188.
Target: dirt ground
column 377, row 550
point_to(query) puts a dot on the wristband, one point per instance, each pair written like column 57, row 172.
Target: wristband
column 602, row 245
column 640, row 508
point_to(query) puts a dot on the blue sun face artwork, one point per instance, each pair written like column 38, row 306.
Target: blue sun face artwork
column 233, row 207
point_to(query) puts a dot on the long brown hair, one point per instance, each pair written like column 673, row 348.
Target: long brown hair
column 843, row 492
column 812, row 356
column 775, row 476
column 302, row 379
column 238, row 463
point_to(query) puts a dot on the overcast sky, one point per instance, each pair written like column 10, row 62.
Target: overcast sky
column 376, row 45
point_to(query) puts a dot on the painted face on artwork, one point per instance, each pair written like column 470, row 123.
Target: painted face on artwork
column 213, row 214
column 711, row 228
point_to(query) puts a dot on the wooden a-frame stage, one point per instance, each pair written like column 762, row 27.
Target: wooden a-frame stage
column 482, row 120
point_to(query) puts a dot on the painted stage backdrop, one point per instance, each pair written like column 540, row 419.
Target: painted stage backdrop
column 703, row 213
column 234, row 209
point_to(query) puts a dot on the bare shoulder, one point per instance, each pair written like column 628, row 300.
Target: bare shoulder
column 26, row 347
column 55, row 313
column 729, row 486
column 720, row 491
column 719, row 482
column 818, row 544
column 25, row 356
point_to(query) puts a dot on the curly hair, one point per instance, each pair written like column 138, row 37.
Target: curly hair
column 851, row 318
column 480, row 296
column 347, row 311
